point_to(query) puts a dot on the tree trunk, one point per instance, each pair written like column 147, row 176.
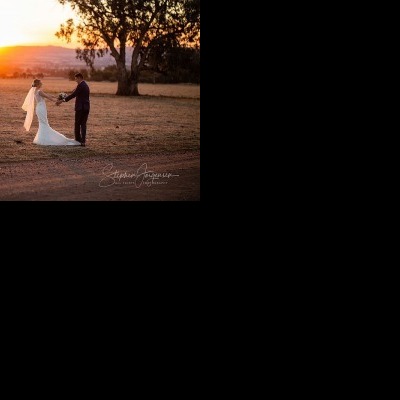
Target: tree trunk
column 135, row 70
column 123, row 80
column 127, row 86
column 123, row 86
column 134, row 84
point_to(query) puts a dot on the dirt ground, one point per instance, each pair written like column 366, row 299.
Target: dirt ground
column 151, row 177
column 143, row 149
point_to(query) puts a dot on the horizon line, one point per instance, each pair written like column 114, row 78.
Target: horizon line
column 46, row 45
column 35, row 45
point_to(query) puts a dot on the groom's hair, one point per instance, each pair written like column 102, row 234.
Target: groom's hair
column 80, row 76
column 36, row 83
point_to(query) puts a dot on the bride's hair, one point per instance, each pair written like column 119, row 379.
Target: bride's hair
column 36, row 83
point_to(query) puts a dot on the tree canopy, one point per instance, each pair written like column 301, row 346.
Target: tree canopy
column 113, row 25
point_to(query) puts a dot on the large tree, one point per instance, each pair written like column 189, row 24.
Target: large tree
column 111, row 26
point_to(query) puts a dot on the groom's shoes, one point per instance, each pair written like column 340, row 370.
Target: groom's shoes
column 83, row 144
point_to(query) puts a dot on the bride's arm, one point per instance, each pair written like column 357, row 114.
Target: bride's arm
column 47, row 96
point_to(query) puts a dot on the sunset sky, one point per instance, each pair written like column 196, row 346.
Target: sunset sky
column 32, row 22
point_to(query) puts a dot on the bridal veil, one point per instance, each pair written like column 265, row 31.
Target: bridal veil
column 29, row 107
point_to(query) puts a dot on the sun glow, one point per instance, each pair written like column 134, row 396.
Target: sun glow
column 10, row 37
column 27, row 22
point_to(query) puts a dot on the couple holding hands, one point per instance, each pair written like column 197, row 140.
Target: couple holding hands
column 47, row 136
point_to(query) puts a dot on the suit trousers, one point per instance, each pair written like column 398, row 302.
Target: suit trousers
column 81, row 118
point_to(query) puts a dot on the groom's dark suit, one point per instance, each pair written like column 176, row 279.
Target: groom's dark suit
column 82, row 110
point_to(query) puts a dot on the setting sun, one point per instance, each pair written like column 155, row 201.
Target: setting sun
column 28, row 22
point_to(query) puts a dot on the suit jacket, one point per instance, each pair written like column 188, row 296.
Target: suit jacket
column 82, row 94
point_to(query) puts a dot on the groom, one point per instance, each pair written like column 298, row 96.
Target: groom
column 82, row 108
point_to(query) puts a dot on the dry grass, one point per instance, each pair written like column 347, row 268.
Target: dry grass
column 165, row 119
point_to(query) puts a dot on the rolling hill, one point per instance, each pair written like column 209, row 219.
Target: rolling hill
column 47, row 56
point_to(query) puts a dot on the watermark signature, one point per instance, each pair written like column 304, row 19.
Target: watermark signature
column 142, row 177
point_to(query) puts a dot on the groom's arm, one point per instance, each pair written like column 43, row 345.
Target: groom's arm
column 75, row 93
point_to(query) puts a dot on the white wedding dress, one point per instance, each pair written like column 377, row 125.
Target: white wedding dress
column 47, row 136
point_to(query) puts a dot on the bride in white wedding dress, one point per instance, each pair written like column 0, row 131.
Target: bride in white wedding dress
column 46, row 136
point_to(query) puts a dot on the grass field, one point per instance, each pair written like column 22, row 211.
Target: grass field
column 165, row 119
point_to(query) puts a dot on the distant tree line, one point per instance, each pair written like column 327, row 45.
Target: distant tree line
column 23, row 75
column 34, row 73
column 176, row 65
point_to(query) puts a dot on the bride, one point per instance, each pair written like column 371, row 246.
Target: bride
column 46, row 136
